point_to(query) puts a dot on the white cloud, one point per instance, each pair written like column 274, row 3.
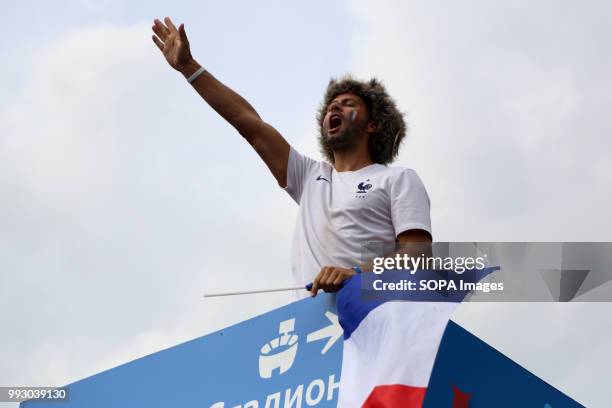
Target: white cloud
column 508, row 105
column 123, row 198
column 117, row 216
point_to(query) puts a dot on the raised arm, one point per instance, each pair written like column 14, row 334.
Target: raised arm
column 267, row 142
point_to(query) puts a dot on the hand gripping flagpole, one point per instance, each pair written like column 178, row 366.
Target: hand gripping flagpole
column 251, row 292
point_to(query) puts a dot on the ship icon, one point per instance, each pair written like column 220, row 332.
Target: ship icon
column 279, row 353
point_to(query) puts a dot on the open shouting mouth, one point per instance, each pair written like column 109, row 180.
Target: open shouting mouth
column 335, row 123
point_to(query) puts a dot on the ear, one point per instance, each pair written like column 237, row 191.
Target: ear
column 371, row 127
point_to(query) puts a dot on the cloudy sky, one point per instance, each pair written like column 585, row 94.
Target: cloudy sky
column 123, row 197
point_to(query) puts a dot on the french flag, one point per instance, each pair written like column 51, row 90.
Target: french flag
column 389, row 348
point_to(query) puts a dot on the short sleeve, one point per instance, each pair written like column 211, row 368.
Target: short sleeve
column 409, row 203
column 298, row 169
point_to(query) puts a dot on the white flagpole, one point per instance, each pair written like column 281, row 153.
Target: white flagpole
column 250, row 292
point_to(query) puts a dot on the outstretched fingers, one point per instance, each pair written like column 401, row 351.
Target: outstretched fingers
column 170, row 24
column 160, row 29
column 182, row 32
column 158, row 42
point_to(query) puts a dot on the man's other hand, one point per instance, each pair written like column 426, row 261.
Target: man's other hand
column 173, row 43
column 330, row 279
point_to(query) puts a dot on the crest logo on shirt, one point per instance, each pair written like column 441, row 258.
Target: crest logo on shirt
column 363, row 187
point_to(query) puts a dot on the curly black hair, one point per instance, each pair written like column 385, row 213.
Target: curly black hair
column 390, row 126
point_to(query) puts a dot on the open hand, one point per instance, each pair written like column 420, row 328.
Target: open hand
column 173, row 43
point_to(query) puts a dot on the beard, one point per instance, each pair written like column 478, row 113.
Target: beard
column 345, row 139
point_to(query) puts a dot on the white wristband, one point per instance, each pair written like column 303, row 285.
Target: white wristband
column 196, row 74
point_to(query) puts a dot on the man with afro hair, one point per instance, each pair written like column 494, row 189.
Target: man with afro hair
column 346, row 201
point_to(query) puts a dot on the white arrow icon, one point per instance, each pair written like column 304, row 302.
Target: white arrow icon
column 333, row 331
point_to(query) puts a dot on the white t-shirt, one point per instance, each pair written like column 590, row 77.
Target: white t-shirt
column 341, row 211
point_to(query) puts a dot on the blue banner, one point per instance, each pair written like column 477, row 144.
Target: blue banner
column 294, row 352
column 292, row 356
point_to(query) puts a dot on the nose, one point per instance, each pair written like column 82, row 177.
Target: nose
column 334, row 106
